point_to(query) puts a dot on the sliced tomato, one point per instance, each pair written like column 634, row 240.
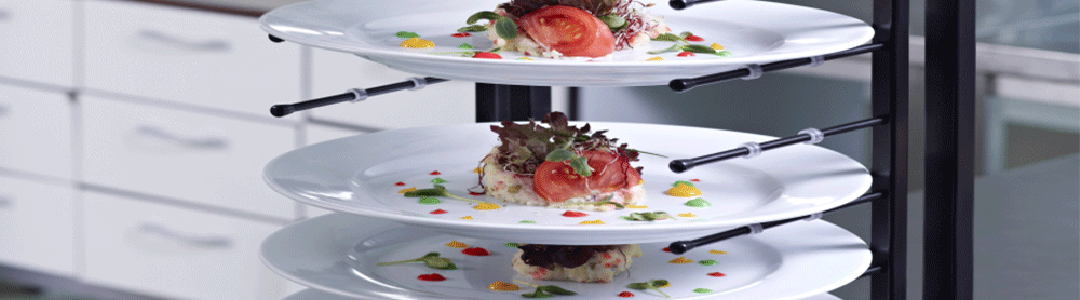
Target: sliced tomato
column 557, row 182
column 568, row 30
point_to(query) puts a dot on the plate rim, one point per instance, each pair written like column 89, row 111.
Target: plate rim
column 264, row 247
column 866, row 36
column 682, row 226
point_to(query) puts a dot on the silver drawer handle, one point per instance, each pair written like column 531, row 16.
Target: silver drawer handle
column 213, row 242
column 7, row 201
column 210, row 143
column 203, row 46
column 4, row 15
column 3, row 110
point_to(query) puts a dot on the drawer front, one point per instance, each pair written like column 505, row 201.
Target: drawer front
column 37, row 229
column 190, row 156
column 451, row 102
column 35, row 131
column 37, row 41
column 206, row 59
column 175, row 253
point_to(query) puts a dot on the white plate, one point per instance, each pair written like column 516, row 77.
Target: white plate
column 314, row 294
column 788, row 262
column 753, row 31
column 359, row 174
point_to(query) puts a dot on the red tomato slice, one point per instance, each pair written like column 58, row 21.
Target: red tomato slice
column 557, row 182
column 569, row 30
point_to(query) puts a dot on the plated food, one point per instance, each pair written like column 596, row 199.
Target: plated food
column 558, row 28
column 586, row 264
column 561, row 166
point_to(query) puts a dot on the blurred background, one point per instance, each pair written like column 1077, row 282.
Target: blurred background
column 132, row 135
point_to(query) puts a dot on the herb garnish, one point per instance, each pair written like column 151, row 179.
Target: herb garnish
column 540, row 289
column 504, row 26
column 649, row 216
column 525, row 146
column 652, row 284
column 439, row 190
column 681, row 44
column 432, row 260
column 472, row 28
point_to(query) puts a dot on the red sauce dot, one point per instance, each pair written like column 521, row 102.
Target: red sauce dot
column 435, row 173
column 438, row 211
column 431, row 277
column 717, row 274
column 667, row 249
column 399, row 183
column 685, row 54
column 475, row 251
column 574, row 214
column 486, row 55
column 626, row 294
column 695, row 180
column 694, row 38
column 461, row 34
column 475, row 193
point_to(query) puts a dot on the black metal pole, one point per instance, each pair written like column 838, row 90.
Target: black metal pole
column 950, row 143
column 499, row 102
column 889, row 167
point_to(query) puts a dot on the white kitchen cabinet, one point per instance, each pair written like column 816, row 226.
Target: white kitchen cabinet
column 194, row 57
column 35, row 132
column 37, row 229
column 184, row 155
column 451, row 102
column 37, row 41
column 175, row 253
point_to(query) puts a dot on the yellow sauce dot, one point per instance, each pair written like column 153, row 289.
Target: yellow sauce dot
column 717, row 47
column 486, row 206
column 717, row 252
column 688, row 215
column 665, row 285
column 656, row 59
column 417, row 43
column 407, row 190
column 477, row 170
column 592, row 222
column 641, row 181
column 636, row 206
column 681, row 260
column 466, row 218
column 683, row 190
column 503, row 286
column 526, row 58
column 456, row 244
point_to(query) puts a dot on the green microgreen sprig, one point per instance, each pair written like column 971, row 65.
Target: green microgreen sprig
column 681, row 44
column 432, row 260
column 652, row 284
column 504, row 26
column 439, row 190
column 545, row 291
column 648, row 216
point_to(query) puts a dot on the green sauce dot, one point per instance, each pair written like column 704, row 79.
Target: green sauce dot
column 465, row 46
column 513, row 245
column 527, row 221
column 438, row 180
column 723, row 54
column 684, row 182
column 707, row 262
column 698, row 203
column 406, row 34
column 703, row 291
column 428, row 200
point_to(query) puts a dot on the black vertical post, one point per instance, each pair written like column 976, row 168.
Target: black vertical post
column 499, row 102
column 950, row 143
column 890, row 80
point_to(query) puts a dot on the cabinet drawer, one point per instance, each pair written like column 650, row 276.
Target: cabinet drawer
column 185, row 155
column 37, row 228
column 171, row 252
column 200, row 58
column 35, row 131
column 37, row 41
column 451, row 102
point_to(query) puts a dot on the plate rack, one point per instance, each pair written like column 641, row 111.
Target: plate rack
column 949, row 180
